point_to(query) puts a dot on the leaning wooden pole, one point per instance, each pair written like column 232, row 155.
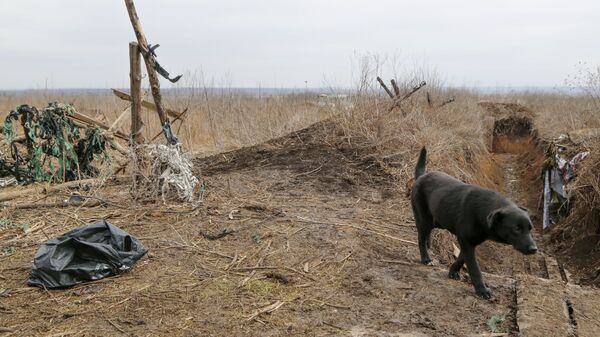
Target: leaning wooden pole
column 151, row 69
column 135, row 76
column 385, row 87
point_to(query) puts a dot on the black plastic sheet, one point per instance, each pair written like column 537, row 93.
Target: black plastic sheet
column 87, row 253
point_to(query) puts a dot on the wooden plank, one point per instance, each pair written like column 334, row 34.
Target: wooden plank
column 553, row 269
column 541, row 308
column 585, row 311
column 146, row 104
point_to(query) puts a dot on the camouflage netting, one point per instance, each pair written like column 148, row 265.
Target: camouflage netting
column 53, row 148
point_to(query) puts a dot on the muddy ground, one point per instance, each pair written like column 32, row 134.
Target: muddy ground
column 323, row 244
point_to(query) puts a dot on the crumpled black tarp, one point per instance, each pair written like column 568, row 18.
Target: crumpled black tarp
column 86, row 253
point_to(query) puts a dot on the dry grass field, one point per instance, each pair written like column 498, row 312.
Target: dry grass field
column 323, row 238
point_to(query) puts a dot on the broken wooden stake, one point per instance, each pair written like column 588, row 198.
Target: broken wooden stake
column 395, row 86
column 385, row 87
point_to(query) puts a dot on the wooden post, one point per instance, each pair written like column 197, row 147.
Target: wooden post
column 135, row 76
column 150, row 67
column 396, row 89
column 385, row 87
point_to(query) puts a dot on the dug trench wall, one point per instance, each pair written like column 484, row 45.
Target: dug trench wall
column 514, row 162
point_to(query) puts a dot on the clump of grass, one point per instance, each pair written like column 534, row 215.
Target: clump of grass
column 453, row 133
column 494, row 322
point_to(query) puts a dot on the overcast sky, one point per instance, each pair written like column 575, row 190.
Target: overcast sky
column 283, row 43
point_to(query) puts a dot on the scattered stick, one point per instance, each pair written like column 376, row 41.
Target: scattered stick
column 275, row 268
column 406, row 263
column 48, row 189
column 223, row 234
column 355, row 227
column 198, row 249
column 268, row 309
column 322, row 303
column 335, row 326
column 448, row 101
column 62, row 334
column 308, row 173
column 115, row 325
column 92, row 203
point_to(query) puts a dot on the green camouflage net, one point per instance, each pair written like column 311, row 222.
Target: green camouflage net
column 53, row 149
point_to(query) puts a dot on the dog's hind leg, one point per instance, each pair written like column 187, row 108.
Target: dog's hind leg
column 424, row 228
column 454, row 272
column 424, row 224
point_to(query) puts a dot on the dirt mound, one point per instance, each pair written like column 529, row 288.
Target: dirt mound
column 320, row 155
column 497, row 109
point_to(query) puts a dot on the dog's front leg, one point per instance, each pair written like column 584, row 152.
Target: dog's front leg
column 468, row 253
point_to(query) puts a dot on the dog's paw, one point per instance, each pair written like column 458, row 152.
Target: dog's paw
column 486, row 294
column 454, row 275
column 426, row 261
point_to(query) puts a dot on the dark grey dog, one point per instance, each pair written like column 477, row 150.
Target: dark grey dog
column 474, row 214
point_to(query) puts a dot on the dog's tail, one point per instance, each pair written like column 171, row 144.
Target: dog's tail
column 421, row 162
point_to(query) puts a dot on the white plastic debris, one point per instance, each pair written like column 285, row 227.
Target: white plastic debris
column 8, row 181
column 173, row 169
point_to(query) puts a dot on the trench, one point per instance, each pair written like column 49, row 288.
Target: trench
column 519, row 156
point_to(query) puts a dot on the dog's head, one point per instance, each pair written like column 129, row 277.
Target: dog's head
column 512, row 225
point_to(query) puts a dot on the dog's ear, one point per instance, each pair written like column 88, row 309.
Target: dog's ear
column 525, row 209
column 494, row 217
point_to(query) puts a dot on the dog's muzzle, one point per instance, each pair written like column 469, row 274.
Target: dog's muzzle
column 531, row 249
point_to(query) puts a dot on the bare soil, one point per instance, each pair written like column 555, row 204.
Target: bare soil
column 322, row 245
